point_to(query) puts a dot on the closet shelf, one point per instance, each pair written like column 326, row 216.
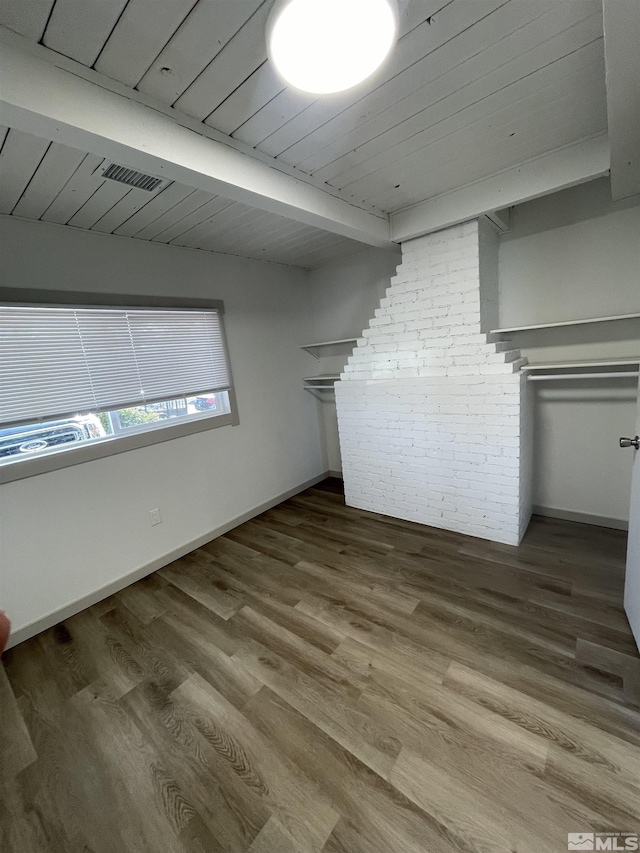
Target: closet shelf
column 560, row 365
column 318, row 387
column 564, row 323
column 319, row 383
column 325, row 381
column 314, row 348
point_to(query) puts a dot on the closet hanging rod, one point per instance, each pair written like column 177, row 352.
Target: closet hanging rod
column 600, row 363
column 625, row 374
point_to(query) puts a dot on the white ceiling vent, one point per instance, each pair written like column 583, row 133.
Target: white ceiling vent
column 124, row 175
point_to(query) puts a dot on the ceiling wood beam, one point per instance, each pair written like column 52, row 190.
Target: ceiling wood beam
column 50, row 101
column 555, row 171
column 622, row 62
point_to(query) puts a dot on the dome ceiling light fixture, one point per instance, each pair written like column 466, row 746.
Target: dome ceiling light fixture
column 327, row 46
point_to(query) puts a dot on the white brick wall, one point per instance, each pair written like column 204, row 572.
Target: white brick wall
column 430, row 414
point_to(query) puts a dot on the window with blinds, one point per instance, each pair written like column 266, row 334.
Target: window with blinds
column 75, row 374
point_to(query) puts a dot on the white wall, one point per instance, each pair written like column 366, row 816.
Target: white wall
column 66, row 534
column 568, row 256
column 344, row 297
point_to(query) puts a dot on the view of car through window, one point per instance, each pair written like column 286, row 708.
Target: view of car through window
column 34, row 439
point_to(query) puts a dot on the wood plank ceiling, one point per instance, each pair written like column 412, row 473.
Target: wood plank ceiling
column 54, row 183
column 471, row 89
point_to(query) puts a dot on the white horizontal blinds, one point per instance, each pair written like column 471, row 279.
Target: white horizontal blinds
column 41, row 365
column 178, row 352
column 60, row 361
column 109, row 357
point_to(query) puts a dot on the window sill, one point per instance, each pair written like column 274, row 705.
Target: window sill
column 23, row 468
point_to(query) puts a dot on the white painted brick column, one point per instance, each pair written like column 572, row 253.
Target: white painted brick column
column 430, row 414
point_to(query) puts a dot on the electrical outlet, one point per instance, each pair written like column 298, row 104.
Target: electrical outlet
column 154, row 515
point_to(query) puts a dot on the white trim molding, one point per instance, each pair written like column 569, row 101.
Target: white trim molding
column 581, row 517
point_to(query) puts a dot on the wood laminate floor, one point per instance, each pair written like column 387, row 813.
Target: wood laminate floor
column 325, row 679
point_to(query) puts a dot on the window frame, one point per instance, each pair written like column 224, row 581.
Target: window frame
column 87, row 452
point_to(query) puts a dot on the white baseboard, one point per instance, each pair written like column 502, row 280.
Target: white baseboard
column 80, row 604
column 582, row 517
column 337, row 474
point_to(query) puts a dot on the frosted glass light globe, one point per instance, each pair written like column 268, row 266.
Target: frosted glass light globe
column 325, row 46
